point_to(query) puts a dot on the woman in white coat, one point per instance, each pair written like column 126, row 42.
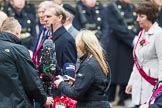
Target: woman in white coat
column 147, row 54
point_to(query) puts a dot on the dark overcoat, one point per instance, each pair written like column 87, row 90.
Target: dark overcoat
column 19, row 80
column 123, row 28
column 65, row 47
column 28, row 24
column 93, row 19
column 89, row 86
column 160, row 18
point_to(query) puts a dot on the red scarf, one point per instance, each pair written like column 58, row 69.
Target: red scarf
column 149, row 79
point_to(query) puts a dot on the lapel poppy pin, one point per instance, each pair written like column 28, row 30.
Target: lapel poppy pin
column 143, row 42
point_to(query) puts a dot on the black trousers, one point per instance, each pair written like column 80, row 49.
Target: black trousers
column 112, row 92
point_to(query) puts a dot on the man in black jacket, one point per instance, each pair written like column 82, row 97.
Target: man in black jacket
column 20, row 84
column 64, row 43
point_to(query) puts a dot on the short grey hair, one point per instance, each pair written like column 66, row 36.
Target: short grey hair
column 45, row 4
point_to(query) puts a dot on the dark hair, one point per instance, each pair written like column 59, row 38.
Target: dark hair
column 149, row 9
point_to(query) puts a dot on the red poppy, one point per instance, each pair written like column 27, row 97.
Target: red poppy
column 142, row 42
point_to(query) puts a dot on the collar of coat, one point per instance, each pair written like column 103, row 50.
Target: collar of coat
column 6, row 36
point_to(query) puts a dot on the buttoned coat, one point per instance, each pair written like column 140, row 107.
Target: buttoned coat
column 93, row 19
column 149, row 57
column 28, row 23
column 65, row 47
column 119, row 46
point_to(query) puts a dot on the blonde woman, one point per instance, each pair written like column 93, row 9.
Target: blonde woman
column 91, row 83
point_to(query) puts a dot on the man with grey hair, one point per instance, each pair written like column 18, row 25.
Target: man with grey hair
column 44, row 32
column 20, row 83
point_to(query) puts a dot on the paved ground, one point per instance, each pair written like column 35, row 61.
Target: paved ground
column 128, row 103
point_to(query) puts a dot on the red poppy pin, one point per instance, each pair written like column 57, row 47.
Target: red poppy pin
column 142, row 42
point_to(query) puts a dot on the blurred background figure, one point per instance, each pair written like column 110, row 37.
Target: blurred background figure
column 58, row 2
column 2, row 4
column 159, row 3
column 147, row 55
column 70, row 13
column 30, row 8
column 3, row 16
column 123, row 27
column 90, row 14
column 16, row 9
column 44, row 33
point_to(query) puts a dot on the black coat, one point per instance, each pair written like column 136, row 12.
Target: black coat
column 65, row 47
column 120, row 46
column 160, row 18
column 19, row 80
column 89, row 87
column 28, row 23
column 92, row 18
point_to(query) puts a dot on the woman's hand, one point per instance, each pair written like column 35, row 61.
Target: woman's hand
column 58, row 81
column 128, row 89
column 71, row 81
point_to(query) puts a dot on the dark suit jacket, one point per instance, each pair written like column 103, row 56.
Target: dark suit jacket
column 65, row 47
column 120, row 45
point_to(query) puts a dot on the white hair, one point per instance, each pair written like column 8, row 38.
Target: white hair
column 45, row 4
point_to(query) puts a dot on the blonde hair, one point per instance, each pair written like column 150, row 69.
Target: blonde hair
column 3, row 16
column 88, row 42
column 10, row 24
column 58, row 11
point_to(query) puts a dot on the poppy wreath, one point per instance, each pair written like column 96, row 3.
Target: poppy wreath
column 64, row 102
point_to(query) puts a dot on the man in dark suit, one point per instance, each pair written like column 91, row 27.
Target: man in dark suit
column 64, row 43
column 44, row 33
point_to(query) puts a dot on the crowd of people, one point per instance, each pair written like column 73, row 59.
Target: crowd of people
column 108, row 46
